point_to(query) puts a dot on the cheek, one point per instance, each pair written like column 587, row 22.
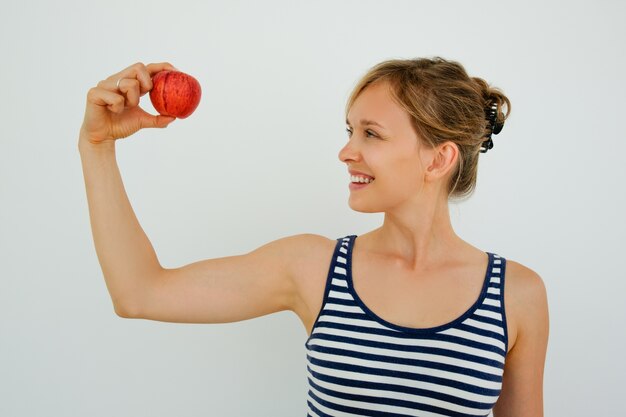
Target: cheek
column 400, row 181
column 404, row 171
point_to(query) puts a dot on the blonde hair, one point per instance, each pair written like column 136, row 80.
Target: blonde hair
column 445, row 104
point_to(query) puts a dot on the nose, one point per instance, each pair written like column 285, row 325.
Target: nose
column 349, row 153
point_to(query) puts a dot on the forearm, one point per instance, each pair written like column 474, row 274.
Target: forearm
column 126, row 256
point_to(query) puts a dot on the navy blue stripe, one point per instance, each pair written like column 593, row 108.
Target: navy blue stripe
column 410, row 362
column 424, row 349
column 353, row 410
column 317, row 410
column 403, row 374
column 436, row 336
column 489, row 307
column 375, row 413
column 485, row 319
column 398, row 402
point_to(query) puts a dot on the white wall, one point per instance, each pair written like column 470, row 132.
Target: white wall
column 275, row 77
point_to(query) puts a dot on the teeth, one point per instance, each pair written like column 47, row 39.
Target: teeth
column 360, row 179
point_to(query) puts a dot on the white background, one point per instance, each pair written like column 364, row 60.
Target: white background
column 258, row 161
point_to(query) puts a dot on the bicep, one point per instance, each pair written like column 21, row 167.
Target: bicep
column 222, row 290
column 522, row 387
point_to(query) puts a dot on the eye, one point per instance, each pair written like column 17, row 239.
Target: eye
column 368, row 132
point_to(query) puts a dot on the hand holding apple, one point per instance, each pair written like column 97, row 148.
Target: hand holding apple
column 175, row 93
column 112, row 108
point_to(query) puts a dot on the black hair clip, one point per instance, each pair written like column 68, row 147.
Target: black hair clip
column 495, row 127
column 488, row 144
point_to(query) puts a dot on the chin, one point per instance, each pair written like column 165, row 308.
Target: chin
column 364, row 208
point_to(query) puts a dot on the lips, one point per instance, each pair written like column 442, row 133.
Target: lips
column 360, row 174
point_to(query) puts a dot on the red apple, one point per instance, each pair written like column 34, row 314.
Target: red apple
column 175, row 93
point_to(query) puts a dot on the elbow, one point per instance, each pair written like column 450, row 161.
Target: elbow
column 125, row 311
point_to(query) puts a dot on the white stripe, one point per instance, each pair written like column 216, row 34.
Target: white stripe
column 312, row 413
column 495, row 280
column 330, row 411
column 389, row 394
column 347, row 309
column 343, row 250
column 448, row 406
column 492, row 290
column 340, row 295
column 490, row 314
column 495, row 270
column 491, row 302
column 475, row 337
column 341, row 259
column 497, row 261
column 413, row 369
column 407, row 355
column 340, row 270
column 484, row 326
column 392, row 380
column 411, row 342
column 340, row 282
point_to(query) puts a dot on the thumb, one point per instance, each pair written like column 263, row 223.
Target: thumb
column 159, row 121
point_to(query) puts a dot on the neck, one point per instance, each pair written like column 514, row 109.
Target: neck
column 418, row 237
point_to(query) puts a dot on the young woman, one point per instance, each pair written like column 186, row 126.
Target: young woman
column 407, row 319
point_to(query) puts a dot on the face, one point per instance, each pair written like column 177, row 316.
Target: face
column 388, row 152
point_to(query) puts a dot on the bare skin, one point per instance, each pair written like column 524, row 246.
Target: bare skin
column 413, row 271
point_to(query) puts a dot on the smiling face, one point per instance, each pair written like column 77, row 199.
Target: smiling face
column 388, row 152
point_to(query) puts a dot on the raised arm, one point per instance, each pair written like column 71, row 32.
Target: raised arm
column 112, row 112
column 217, row 290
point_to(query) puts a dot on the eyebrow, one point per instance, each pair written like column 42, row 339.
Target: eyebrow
column 366, row 122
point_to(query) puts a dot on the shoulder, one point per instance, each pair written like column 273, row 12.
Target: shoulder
column 310, row 256
column 303, row 247
column 525, row 284
column 526, row 301
column 299, row 255
column 303, row 252
column 307, row 252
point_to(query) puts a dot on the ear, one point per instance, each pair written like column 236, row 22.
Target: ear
column 443, row 161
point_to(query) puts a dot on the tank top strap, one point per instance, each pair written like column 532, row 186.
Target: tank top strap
column 338, row 270
column 493, row 301
column 495, row 280
column 336, row 290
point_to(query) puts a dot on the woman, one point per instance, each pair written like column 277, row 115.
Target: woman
column 408, row 319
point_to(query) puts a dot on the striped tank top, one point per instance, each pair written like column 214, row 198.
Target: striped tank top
column 358, row 364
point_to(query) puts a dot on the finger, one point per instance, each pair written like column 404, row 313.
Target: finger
column 136, row 71
column 105, row 98
column 130, row 89
column 147, row 120
column 152, row 69
column 162, row 66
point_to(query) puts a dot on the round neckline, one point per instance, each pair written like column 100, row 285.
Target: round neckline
column 422, row 330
